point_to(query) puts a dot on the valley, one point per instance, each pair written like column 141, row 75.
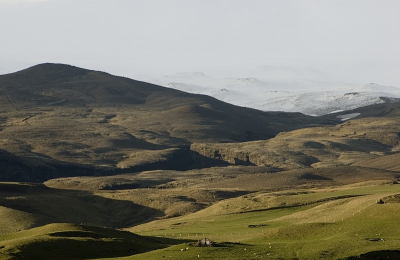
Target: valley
column 92, row 161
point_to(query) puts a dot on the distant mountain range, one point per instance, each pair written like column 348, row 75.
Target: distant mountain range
column 310, row 97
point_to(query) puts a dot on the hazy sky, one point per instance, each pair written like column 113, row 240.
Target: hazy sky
column 349, row 40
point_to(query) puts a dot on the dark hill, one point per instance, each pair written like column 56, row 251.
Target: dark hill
column 58, row 85
column 57, row 82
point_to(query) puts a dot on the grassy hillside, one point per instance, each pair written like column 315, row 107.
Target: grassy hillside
column 388, row 162
column 334, row 222
column 67, row 241
column 24, row 205
column 323, row 224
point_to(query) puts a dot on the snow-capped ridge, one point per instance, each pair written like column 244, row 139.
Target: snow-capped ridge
column 312, row 96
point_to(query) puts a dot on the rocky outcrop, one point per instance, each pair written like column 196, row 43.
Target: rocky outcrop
column 227, row 154
column 256, row 154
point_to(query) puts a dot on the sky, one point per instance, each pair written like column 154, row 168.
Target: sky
column 355, row 41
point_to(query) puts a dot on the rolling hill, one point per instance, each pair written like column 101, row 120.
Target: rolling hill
column 88, row 159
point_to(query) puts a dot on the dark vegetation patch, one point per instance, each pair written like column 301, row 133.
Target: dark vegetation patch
column 314, row 145
column 256, row 226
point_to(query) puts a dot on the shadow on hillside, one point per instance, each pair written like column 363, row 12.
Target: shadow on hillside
column 49, row 205
column 361, row 145
column 89, row 243
column 36, row 169
column 183, row 159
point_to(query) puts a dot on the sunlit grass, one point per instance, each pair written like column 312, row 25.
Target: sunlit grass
column 330, row 223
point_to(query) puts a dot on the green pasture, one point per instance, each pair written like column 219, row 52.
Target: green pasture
column 350, row 225
column 334, row 223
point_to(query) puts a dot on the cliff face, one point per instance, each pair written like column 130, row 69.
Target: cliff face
column 226, row 153
column 254, row 154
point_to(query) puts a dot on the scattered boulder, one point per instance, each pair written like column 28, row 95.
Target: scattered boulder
column 205, row 242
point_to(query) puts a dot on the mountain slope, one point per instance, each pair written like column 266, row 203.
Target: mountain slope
column 55, row 111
